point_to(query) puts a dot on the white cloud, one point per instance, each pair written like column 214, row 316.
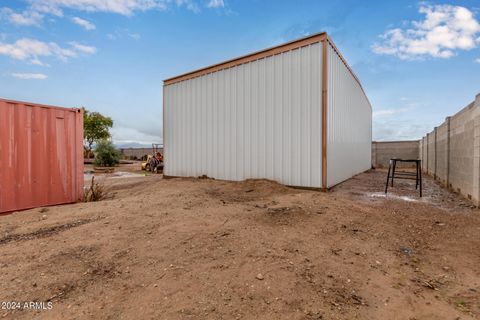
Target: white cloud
column 25, row 48
column 123, row 134
column 477, row 60
column 25, row 18
column 189, row 4
column 46, row 7
column 387, row 112
column 215, row 4
column 83, row 48
column 404, row 129
column 38, row 9
column 135, row 36
column 31, row 50
column 123, row 32
column 379, row 113
column 444, row 30
column 87, row 25
column 30, row 76
column 37, row 62
column 124, row 7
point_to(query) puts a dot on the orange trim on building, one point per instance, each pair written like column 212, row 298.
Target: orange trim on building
column 292, row 45
column 324, row 113
column 330, row 41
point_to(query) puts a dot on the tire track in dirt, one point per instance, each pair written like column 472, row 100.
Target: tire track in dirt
column 45, row 232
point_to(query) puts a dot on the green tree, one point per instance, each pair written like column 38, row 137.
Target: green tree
column 106, row 155
column 96, row 127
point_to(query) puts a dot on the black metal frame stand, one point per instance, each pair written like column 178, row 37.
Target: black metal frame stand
column 417, row 176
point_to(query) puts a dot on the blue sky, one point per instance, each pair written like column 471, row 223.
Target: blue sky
column 418, row 61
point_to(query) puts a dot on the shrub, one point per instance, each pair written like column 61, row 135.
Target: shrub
column 105, row 154
column 95, row 192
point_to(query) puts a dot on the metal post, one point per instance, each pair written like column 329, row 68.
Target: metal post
column 388, row 175
column 420, row 182
column 393, row 170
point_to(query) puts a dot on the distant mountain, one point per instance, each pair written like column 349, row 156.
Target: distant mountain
column 132, row 145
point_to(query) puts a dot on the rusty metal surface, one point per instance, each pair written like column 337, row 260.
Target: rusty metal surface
column 41, row 155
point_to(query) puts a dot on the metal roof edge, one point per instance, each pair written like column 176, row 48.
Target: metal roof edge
column 329, row 39
column 294, row 44
column 396, row 141
column 284, row 47
column 38, row 104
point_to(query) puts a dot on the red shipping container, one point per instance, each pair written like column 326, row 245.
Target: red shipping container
column 41, row 155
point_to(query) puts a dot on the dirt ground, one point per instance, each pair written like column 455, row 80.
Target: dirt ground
column 206, row 249
column 129, row 166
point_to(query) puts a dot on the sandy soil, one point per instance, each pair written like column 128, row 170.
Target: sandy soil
column 205, row 249
column 133, row 166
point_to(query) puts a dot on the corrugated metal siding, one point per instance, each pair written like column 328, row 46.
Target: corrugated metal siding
column 257, row 120
column 41, row 155
column 349, row 123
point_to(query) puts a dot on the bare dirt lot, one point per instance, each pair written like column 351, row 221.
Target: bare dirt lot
column 206, row 249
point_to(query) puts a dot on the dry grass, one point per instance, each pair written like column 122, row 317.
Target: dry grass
column 96, row 192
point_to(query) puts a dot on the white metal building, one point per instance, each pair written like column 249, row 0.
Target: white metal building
column 295, row 113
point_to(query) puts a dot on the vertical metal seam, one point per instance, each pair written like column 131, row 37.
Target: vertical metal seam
column 448, row 152
column 75, row 158
column 75, row 138
column 435, row 156
column 26, row 125
column 163, row 129
column 324, row 114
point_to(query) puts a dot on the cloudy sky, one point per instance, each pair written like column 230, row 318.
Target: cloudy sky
column 418, row 61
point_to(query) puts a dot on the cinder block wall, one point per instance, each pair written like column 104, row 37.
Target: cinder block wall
column 451, row 152
column 431, row 152
column 442, row 148
column 383, row 151
column 423, row 152
column 136, row 153
column 461, row 147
